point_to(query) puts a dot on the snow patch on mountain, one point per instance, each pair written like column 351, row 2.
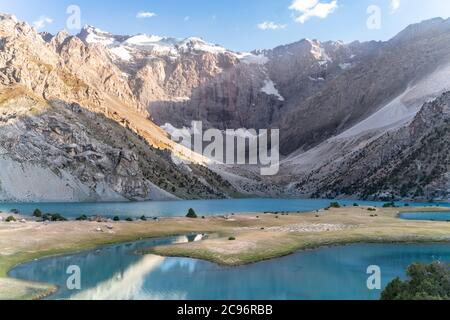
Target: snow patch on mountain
column 143, row 39
column 197, row 44
column 122, row 53
column 124, row 46
column 249, row 58
column 95, row 35
column 345, row 66
column 270, row 89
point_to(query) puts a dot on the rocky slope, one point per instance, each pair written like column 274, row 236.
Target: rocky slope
column 85, row 114
column 411, row 162
column 70, row 130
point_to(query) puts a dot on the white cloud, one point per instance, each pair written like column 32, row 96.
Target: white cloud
column 269, row 25
column 313, row 8
column 145, row 14
column 42, row 22
column 395, row 5
column 187, row 18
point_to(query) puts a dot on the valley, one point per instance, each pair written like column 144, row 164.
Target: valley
column 356, row 120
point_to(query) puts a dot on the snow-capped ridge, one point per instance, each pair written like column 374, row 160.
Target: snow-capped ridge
column 124, row 46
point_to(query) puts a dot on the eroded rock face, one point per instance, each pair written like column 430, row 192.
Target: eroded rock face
column 69, row 126
column 260, row 91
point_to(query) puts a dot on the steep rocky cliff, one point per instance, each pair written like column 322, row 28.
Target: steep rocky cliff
column 70, row 129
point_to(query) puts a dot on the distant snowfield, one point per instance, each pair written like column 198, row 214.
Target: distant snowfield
column 249, row 58
column 157, row 45
column 122, row 53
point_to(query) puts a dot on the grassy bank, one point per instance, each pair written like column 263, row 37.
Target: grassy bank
column 359, row 226
column 257, row 238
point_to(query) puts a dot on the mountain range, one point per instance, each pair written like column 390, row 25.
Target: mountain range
column 83, row 118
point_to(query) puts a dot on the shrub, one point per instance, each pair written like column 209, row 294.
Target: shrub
column 10, row 219
column 426, row 282
column 53, row 217
column 335, row 205
column 82, row 218
column 129, row 219
column 356, row 205
column 144, row 218
column 15, row 211
column 389, row 205
column 37, row 213
column 116, row 218
column 231, row 239
column 371, row 209
column 58, row 217
column 191, row 214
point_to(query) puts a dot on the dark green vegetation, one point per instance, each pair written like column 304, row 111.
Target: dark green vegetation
column 335, row 205
column 53, row 217
column 191, row 214
column 389, row 205
column 426, row 282
column 37, row 213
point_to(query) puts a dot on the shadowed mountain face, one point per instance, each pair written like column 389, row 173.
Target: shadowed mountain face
column 86, row 112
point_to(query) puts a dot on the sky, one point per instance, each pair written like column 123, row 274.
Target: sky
column 240, row 25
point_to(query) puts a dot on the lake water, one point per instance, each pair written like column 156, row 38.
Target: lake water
column 180, row 208
column 426, row 216
column 115, row 272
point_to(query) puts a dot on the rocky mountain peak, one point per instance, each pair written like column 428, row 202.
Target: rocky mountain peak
column 428, row 28
column 92, row 35
column 58, row 40
column 8, row 17
column 47, row 36
column 11, row 27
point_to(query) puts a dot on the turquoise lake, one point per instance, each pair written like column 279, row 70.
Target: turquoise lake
column 426, row 216
column 179, row 208
column 116, row 272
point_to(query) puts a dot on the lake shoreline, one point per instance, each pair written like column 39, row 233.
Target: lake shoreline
column 284, row 243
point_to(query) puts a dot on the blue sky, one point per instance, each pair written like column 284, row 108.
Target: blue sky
column 240, row 25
